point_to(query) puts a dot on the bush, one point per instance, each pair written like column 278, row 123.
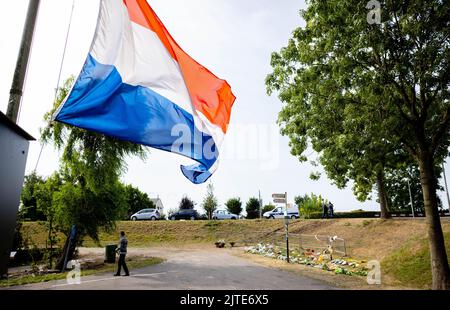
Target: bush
column 252, row 208
column 234, row 205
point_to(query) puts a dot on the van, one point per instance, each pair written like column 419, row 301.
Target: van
column 278, row 212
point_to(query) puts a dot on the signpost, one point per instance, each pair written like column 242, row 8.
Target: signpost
column 282, row 198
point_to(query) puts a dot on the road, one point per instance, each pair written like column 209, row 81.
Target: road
column 192, row 269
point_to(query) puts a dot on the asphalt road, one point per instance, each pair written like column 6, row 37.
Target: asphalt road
column 193, row 269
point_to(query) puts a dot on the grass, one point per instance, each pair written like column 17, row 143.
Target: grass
column 29, row 279
column 410, row 265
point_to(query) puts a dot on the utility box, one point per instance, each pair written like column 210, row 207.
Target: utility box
column 14, row 143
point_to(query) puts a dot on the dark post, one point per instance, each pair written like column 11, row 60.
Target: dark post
column 22, row 61
column 286, row 217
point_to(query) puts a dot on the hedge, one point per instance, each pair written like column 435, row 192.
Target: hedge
column 370, row 214
column 341, row 215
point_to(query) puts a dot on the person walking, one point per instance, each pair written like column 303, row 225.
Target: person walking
column 122, row 251
column 324, row 210
column 331, row 209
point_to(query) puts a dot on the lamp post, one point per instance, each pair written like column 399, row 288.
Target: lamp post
column 410, row 198
column 446, row 187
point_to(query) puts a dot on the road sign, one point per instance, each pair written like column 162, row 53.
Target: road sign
column 278, row 200
column 281, row 196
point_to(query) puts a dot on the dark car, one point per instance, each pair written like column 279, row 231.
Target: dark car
column 184, row 215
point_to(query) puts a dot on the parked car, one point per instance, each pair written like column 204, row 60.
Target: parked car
column 278, row 213
column 224, row 215
column 146, row 214
column 184, row 214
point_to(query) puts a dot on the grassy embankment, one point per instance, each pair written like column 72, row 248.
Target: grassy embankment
column 400, row 245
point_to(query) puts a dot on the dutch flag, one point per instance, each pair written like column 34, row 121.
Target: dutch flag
column 138, row 85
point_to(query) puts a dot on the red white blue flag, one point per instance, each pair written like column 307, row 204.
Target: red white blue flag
column 138, row 85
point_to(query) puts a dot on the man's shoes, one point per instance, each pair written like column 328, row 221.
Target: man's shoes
column 117, row 275
column 126, row 275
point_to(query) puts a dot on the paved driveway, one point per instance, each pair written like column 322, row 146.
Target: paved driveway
column 193, row 269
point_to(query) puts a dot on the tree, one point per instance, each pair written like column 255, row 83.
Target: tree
column 387, row 82
column 186, row 203
column 91, row 165
column 252, row 208
column 210, row 202
column 309, row 204
column 45, row 193
column 268, row 208
column 136, row 201
column 234, row 205
column 29, row 205
column 397, row 189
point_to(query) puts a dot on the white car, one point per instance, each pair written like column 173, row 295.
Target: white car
column 224, row 215
column 146, row 214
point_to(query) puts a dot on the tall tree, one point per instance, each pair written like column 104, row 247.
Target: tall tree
column 386, row 79
column 234, row 205
column 91, row 166
column 252, row 208
column 45, row 193
column 210, row 203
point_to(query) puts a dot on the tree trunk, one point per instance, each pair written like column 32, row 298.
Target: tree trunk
column 439, row 261
column 382, row 196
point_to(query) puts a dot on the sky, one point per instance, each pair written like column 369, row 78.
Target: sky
column 232, row 38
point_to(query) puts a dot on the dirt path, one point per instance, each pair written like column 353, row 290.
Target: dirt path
column 193, row 268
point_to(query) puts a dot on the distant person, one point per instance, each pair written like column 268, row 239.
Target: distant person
column 122, row 251
column 324, row 210
column 331, row 209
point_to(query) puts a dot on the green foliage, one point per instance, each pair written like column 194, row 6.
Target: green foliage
column 347, row 215
column 186, row 203
column 252, row 208
column 136, row 200
column 234, row 205
column 397, row 189
column 91, row 195
column 210, row 202
column 45, row 203
column 89, row 210
column 29, row 210
column 309, row 204
column 358, row 106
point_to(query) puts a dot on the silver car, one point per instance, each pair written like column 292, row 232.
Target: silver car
column 224, row 215
column 146, row 214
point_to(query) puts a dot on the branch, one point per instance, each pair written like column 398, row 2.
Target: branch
column 443, row 128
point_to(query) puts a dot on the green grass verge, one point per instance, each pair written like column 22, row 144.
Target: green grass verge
column 410, row 265
column 134, row 263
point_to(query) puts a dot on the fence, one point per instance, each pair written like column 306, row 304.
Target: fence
column 305, row 243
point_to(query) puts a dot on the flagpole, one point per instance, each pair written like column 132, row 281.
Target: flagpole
column 22, row 61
